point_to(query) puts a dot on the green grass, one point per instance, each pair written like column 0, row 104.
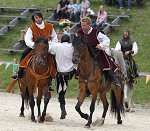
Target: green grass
column 138, row 24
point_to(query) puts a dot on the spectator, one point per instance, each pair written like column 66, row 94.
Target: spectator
column 84, row 12
column 59, row 35
column 101, row 18
column 22, row 33
column 121, row 3
column 70, row 10
column 61, row 8
column 83, row 3
column 67, row 30
column 65, row 69
column 77, row 6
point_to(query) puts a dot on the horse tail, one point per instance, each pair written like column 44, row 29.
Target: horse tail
column 27, row 97
column 113, row 101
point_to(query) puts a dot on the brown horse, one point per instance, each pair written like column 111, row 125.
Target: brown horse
column 92, row 81
column 37, row 74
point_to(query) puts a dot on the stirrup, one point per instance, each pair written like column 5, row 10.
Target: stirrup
column 14, row 76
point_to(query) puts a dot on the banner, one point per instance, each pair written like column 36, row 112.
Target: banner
column 147, row 78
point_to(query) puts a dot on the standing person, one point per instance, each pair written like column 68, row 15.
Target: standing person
column 61, row 8
column 101, row 18
column 38, row 28
column 98, row 41
column 65, row 69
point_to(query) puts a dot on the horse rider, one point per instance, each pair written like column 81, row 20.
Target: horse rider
column 98, row 41
column 129, row 48
column 65, row 69
column 38, row 28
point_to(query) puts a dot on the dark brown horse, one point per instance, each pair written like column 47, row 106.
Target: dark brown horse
column 92, row 81
column 37, row 75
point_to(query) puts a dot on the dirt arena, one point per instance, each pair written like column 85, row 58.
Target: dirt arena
column 138, row 120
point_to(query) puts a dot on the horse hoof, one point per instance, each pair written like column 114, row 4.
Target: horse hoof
column 119, row 122
column 34, row 121
column 126, row 105
column 41, row 119
column 21, row 115
column 127, row 110
column 87, row 126
column 63, row 115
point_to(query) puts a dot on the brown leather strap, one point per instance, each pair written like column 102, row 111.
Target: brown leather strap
column 11, row 87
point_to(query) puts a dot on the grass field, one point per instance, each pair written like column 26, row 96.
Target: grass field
column 138, row 24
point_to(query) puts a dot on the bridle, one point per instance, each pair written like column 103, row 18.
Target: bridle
column 85, row 76
column 32, row 67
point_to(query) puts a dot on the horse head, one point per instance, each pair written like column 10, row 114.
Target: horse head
column 41, row 51
column 79, row 49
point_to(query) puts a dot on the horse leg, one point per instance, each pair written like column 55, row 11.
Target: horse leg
column 105, row 107
column 92, row 108
column 47, row 96
column 32, row 104
column 119, row 105
column 126, row 96
column 81, row 98
column 22, row 107
column 38, row 101
column 125, row 92
column 130, row 98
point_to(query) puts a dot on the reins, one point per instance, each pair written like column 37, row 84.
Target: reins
column 37, row 76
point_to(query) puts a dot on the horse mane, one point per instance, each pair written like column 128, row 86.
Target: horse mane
column 41, row 39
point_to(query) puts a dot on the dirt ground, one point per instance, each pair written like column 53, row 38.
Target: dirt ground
column 138, row 120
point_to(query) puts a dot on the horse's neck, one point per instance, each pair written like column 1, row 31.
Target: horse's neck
column 87, row 62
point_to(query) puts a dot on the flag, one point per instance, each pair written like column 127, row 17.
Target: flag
column 7, row 65
column 147, row 78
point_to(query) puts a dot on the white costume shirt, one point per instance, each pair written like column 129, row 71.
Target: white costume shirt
column 29, row 36
column 63, row 55
column 134, row 47
column 102, row 39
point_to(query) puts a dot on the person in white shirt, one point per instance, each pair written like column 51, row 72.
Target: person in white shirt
column 65, row 69
column 38, row 28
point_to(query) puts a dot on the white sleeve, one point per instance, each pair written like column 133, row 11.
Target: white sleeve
column 28, row 38
column 135, row 48
column 103, row 40
column 54, row 38
column 118, row 46
column 52, row 48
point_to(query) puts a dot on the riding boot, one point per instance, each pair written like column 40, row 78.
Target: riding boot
column 50, row 86
column 19, row 74
column 113, row 78
column 63, row 111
